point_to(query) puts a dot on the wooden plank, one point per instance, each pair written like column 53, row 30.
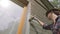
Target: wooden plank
column 47, row 4
column 21, row 3
column 20, row 27
column 25, row 2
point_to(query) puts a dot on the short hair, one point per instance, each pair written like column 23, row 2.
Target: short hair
column 55, row 11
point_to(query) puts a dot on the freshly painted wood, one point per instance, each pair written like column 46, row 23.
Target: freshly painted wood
column 22, row 21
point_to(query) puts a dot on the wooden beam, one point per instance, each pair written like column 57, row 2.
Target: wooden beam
column 21, row 3
column 20, row 27
column 25, row 2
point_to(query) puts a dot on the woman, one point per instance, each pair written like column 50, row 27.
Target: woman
column 54, row 15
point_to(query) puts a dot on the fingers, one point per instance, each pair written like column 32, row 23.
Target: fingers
column 31, row 18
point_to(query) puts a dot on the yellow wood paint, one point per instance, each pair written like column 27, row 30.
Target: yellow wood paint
column 20, row 27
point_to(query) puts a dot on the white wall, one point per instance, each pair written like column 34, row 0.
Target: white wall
column 9, row 17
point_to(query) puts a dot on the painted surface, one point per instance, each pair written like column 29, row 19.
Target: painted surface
column 9, row 17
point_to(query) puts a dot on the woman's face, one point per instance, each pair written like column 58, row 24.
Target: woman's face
column 50, row 16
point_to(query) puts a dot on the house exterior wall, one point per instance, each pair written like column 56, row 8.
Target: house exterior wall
column 39, row 12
